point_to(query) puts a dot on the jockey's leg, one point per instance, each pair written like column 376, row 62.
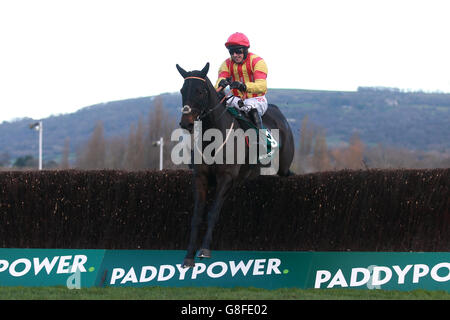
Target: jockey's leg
column 256, row 118
column 257, row 106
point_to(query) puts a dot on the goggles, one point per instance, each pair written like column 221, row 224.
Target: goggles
column 236, row 50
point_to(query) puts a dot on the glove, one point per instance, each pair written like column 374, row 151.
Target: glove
column 223, row 83
column 238, row 85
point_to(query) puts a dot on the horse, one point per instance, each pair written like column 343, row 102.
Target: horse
column 202, row 103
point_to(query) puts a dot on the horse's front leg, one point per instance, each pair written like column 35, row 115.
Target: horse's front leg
column 200, row 191
column 224, row 183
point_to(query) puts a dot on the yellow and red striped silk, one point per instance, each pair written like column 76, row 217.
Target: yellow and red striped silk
column 252, row 72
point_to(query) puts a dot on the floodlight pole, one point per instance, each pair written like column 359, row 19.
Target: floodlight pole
column 41, row 128
column 38, row 126
column 161, row 145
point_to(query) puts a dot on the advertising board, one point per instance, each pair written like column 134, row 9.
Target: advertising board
column 80, row 268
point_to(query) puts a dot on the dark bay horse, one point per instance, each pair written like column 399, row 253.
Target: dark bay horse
column 202, row 103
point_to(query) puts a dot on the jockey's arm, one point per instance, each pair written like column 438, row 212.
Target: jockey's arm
column 259, row 86
column 223, row 73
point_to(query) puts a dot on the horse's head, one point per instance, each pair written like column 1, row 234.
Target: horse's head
column 195, row 96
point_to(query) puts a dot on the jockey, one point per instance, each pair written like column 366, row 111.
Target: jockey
column 248, row 74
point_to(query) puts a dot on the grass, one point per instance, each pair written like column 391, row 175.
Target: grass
column 212, row 293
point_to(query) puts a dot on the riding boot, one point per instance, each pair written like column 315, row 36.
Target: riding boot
column 256, row 118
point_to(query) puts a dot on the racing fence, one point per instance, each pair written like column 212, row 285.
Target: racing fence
column 372, row 210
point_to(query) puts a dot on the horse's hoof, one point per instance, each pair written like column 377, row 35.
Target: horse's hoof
column 188, row 263
column 204, row 253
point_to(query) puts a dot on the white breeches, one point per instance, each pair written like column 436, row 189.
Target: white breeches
column 258, row 103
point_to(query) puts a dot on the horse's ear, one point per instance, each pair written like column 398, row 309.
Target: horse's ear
column 205, row 70
column 182, row 71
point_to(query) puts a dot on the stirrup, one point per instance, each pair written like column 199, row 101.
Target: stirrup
column 273, row 145
column 270, row 138
column 265, row 156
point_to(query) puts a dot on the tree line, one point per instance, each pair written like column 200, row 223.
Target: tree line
column 138, row 151
column 312, row 154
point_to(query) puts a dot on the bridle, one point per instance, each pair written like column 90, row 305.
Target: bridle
column 187, row 109
column 204, row 112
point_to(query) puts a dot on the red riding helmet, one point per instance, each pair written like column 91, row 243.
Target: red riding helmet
column 237, row 39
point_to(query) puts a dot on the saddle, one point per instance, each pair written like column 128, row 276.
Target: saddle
column 242, row 118
column 246, row 124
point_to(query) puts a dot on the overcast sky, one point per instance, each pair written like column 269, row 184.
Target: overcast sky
column 62, row 55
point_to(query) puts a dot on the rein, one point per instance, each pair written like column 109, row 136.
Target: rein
column 188, row 109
